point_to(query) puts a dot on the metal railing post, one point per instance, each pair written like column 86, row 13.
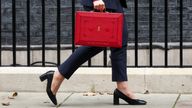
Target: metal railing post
column 73, row 24
column 58, row 31
column 136, row 33
column 181, row 33
column 43, row 32
column 166, row 32
column 28, row 33
column 14, row 31
column 151, row 32
column 0, row 35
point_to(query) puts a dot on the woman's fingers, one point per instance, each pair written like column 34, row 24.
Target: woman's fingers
column 99, row 5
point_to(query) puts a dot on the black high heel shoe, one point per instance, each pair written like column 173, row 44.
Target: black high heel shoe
column 118, row 94
column 49, row 76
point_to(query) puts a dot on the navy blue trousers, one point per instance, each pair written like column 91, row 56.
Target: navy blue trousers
column 118, row 57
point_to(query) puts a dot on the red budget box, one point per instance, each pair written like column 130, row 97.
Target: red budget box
column 98, row 29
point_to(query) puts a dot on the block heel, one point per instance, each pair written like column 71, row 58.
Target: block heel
column 115, row 100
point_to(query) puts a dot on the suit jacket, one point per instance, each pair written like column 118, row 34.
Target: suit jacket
column 110, row 4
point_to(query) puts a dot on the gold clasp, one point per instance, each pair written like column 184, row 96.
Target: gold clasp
column 99, row 28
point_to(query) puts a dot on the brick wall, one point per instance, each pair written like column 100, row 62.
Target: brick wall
column 51, row 30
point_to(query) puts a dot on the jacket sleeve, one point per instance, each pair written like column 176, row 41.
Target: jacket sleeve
column 87, row 2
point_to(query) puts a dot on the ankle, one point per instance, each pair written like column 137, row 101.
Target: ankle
column 56, row 82
column 122, row 88
column 53, row 91
column 58, row 76
column 122, row 85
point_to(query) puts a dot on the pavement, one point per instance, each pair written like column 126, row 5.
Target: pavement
column 90, row 100
column 165, row 88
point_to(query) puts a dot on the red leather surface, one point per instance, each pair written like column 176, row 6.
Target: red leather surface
column 98, row 29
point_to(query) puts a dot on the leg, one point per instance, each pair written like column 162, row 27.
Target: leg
column 119, row 74
column 119, row 70
column 65, row 70
column 54, row 79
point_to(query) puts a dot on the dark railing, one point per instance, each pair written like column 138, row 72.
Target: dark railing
column 181, row 33
column 58, row 51
column 166, row 33
column 14, row 31
column 28, row 33
column 0, row 33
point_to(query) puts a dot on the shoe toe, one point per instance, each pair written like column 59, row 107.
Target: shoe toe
column 141, row 102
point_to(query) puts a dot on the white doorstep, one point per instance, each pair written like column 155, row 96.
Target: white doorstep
column 154, row 80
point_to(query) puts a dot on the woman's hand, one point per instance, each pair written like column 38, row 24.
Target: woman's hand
column 99, row 5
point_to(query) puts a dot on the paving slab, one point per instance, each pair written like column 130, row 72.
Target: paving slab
column 185, row 101
column 78, row 100
column 105, row 101
column 29, row 100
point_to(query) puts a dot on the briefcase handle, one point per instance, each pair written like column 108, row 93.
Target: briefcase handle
column 106, row 10
column 95, row 10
